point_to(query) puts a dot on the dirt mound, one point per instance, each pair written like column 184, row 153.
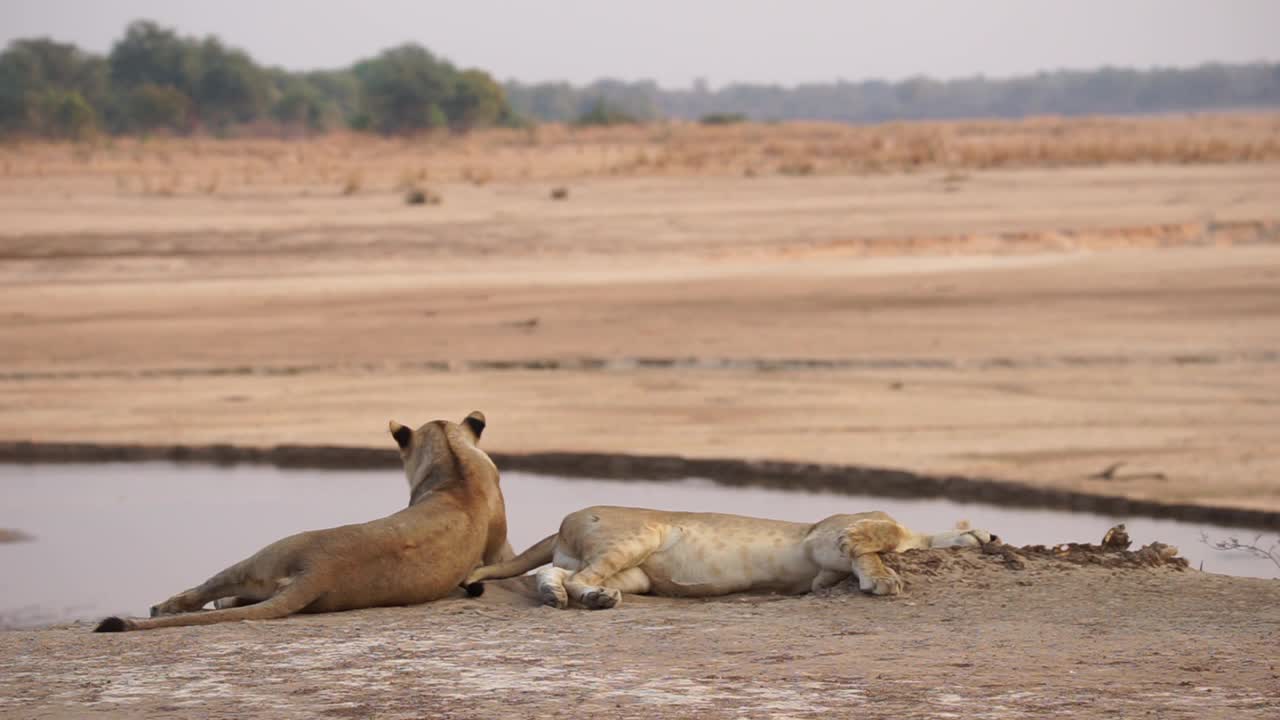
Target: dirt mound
column 1154, row 555
column 1112, row 553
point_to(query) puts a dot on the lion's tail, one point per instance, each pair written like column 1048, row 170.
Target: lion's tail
column 300, row 593
column 535, row 556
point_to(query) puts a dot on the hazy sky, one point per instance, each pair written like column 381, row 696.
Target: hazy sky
column 675, row 42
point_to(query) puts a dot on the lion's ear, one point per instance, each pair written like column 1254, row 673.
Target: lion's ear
column 402, row 434
column 475, row 423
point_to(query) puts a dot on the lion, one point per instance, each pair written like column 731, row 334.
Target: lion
column 602, row 552
column 455, row 522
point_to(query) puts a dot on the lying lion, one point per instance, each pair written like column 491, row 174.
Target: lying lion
column 602, row 552
column 455, row 522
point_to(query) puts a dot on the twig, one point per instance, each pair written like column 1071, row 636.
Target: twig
column 1233, row 544
column 1110, row 473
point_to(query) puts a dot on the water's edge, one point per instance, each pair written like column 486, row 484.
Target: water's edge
column 852, row 479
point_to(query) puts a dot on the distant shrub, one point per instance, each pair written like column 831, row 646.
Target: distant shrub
column 724, row 118
column 421, row 196
column 360, row 121
column 435, row 117
column 797, row 168
column 516, row 121
column 66, row 114
column 353, row 183
column 152, row 107
column 604, row 114
column 478, row 176
column 560, row 193
column 300, row 105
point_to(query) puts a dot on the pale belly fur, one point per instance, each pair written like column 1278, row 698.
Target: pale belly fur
column 697, row 560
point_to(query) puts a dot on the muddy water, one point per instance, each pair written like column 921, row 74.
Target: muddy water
column 116, row 538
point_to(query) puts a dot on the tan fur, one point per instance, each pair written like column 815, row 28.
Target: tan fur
column 455, row 522
column 601, row 552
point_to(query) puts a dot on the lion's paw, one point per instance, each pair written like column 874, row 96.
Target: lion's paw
column 164, row 608
column 888, row 584
column 174, row 606
column 962, row 538
column 601, row 598
column 553, row 596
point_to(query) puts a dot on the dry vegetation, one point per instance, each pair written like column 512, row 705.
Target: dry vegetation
column 351, row 164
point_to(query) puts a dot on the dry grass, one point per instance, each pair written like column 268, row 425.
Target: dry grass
column 360, row 163
column 353, row 183
column 422, row 196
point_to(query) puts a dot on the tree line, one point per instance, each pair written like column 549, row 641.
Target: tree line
column 154, row 79
column 1108, row 91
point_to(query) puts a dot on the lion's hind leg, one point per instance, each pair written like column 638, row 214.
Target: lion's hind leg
column 632, row 580
column 235, row 601
column 194, row 599
column 863, row 542
column 553, row 588
column 234, row 582
column 600, row 584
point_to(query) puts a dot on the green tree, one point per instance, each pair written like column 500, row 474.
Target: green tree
column 436, row 117
column 405, row 89
column 230, row 88
column 151, row 55
column 156, row 107
column 37, row 75
column 301, row 105
column 339, row 91
column 64, row 114
column 477, row 101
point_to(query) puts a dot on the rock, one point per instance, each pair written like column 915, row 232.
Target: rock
column 14, row 536
column 1116, row 538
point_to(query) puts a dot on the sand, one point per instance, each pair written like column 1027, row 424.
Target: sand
column 1033, row 325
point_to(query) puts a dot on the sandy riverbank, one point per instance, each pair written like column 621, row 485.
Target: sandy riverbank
column 977, row 634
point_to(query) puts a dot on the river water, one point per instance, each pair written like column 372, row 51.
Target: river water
column 118, row 537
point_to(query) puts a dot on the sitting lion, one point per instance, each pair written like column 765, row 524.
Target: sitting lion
column 602, row 552
column 455, row 522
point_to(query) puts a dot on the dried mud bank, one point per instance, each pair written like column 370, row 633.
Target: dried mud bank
column 653, row 362
column 850, row 479
column 305, row 241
